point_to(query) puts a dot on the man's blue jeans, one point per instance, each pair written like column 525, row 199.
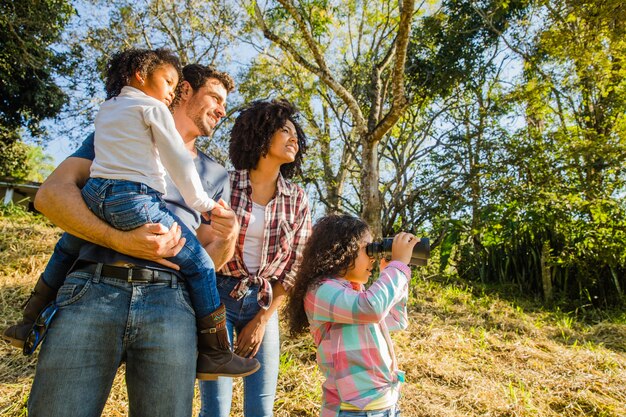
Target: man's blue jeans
column 127, row 205
column 103, row 322
column 260, row 387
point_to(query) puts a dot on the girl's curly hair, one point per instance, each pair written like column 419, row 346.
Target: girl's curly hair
column 252, row 133
column 332, row 248
column 123, row 65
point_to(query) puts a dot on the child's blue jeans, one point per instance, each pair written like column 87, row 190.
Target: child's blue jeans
column 65, row 253
column 127, row 205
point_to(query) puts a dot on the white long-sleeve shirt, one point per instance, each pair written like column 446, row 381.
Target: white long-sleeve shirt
column 136, row 140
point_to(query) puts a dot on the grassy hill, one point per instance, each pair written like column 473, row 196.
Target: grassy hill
column 467, row 352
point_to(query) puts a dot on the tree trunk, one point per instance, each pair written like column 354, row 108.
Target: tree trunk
column 369, row 187
column 546, row 275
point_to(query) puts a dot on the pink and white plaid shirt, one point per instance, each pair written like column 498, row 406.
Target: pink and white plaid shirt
column 287, row 227
column 351, row 330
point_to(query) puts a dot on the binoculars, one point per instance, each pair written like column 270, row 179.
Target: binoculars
column 421, row 251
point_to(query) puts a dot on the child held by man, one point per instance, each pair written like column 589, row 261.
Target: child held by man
column 136, row 141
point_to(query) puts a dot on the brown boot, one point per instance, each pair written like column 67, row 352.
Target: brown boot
column 41, row 296
column 214, row 355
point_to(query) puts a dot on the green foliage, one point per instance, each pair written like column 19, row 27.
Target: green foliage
column 542, row 198
column 13, row 158
column 24, row 162
column 199, row 31
column 14, row 210
column 447, row 45
column 29, row 63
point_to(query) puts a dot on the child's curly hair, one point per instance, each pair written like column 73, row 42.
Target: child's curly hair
column 332, row 248
column 123, row 65
column 252, row 133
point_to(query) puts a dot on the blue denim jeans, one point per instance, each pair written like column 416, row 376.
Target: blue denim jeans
column 103, row 322
column 127, row 205
column 65, row 253
column 389, row 412
column 259, row 389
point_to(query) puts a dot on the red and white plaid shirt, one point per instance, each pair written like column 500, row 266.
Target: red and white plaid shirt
column 287, row 227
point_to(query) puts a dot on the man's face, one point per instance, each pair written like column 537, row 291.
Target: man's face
column 206, row 106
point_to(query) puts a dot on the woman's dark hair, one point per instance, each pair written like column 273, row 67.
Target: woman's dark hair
column 252, row 133
column 122, row 67
column 330, row 251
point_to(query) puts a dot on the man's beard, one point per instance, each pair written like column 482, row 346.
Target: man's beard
column 198, row 118
column 203, row 128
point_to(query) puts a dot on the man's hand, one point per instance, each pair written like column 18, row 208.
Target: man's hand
column 224, row 221
column 152, row 241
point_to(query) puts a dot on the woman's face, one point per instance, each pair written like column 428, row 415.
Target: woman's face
column 284, row 144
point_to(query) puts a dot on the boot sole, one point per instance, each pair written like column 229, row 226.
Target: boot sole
column 17, row 343
column 213, row 377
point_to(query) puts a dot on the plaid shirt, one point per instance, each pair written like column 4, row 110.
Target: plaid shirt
column 351, row 330
column 287, row 227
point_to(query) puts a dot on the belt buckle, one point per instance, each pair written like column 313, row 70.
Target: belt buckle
column 130, row 275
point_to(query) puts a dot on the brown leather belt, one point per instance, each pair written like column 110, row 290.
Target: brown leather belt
column 133, row 275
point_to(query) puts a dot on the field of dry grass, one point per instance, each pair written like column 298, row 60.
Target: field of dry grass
column 467, row 352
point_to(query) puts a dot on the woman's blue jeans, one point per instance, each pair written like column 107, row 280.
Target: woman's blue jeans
column 127, row 205
column 103, row 322
column 260, row 387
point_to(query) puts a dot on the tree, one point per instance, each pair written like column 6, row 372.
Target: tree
column 369, row 79
column 550, row 208
column 29, row 63
column 24, row 162
column 575, row 65
column 199, row 31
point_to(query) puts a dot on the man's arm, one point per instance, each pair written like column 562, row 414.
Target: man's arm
column 60, row 200
column 219, row 237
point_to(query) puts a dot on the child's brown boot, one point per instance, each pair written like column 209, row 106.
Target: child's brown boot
column 214, row 355
column 41, row 296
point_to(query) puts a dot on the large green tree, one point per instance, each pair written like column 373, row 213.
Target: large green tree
column 546, row 209
column 30, row 63
column 199, row 31
column 357, row 50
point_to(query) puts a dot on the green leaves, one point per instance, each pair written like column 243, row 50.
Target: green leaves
column 29, row 63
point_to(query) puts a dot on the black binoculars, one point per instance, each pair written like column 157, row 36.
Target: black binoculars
column 421, row 251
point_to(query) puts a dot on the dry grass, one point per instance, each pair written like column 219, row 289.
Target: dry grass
column 465, row 355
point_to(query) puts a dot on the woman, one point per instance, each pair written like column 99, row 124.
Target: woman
column 266, row 149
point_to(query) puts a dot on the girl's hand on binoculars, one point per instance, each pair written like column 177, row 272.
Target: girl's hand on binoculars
column 402, row 247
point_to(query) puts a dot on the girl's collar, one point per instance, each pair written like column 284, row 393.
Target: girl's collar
column 356, row 286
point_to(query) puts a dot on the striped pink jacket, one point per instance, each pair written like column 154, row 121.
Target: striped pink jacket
column 351, row 330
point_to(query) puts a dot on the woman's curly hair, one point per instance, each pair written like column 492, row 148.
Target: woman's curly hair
column 330, row 251
column 123, row 65
column 251, row 135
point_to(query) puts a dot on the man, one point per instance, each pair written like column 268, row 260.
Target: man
column 108, row 313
